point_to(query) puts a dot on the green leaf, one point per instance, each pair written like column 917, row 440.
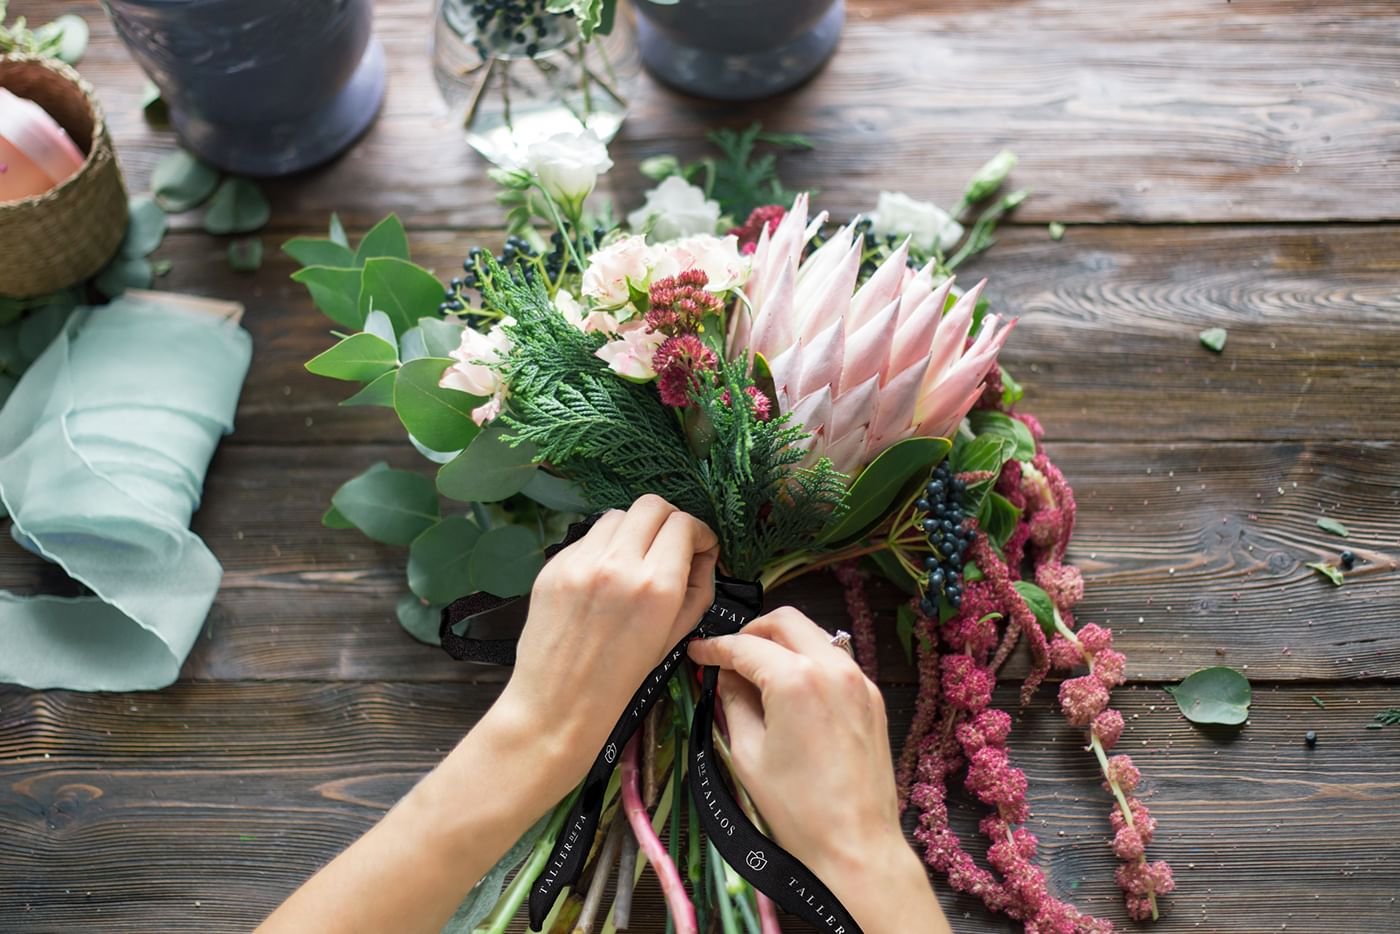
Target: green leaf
column 984, row 454
column 38, row 329
column 1214, row 339
column 390, row 506
column 411, row 344
column 359, row 357
column 875, row 490
column 181, row 182
column 1213, row 695
column 971, row 572
column 162, row 267
column 904, row 622
column 153, row 106
column 894, row 572
column 245, row 254
column 70, row 35
column 1011, row 391
column 336, row 231
column 334, row 520
column 556, row 493
column 238, row 206
column 1057, row 231
column 506, row 560
column 379, row 391
column 440, row 418
column 336, row 292
column 439, row 559
column 420, row 620
column 1001, row 425
column 489, row 470
column 400, row 289
column 378, row 324
column 439, row 336
column 998, row 518
column 1333, row 526
column 1039, row 603
column 1332, row 573
column 314, row 251
column 386, row 238
column 145, row 228
column 122, row 274
column 481, row 900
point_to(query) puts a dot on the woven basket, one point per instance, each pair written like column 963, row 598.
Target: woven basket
column 68, row 233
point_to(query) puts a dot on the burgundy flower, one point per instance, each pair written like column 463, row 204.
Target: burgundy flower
column 966, row 686
column 1108, row 668
column 1107, row 727
column 760, row 218
column 1064, row 654
column 1083, row 699
column 1122, row 772
column 1063, row 583
column 680, row 303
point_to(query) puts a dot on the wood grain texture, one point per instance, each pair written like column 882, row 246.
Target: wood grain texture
column 1107, row 344
column 1190, row 552
column 1174, row 110
column 201, row 807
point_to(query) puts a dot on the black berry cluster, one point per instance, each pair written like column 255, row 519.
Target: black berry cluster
column 509, row 25
column 949, row 537
column 517, row 255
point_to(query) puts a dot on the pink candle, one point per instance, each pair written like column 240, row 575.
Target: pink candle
column 35, row 153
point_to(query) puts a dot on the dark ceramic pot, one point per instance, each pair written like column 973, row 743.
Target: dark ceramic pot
column 259, row 87
column 737, row 50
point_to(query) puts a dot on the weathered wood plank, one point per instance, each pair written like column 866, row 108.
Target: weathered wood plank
column 1107, row 344
column 201, row 807
column 1189, row 551
column 1146, row 112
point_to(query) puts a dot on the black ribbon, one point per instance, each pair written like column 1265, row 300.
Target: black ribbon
column 767, row 866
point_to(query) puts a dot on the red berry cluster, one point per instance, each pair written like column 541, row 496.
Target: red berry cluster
column 765, row 217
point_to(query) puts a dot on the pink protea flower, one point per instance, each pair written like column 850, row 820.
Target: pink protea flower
column 678, row 361
column 1123, row 773
column 1107, row 727
column 1083, row 699
column 860, row 368
column 966, row 686
column 1108, row 668
column 680, row 302
column 761, row 220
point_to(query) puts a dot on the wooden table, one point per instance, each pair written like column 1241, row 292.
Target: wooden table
column 1233, row 165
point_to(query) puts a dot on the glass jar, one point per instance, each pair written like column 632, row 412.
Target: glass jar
column 513, row 74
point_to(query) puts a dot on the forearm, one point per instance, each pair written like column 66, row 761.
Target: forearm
column 412, row 869
column 886, row 889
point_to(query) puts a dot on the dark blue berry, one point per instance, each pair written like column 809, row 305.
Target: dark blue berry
column 1310, row 737
column 930, row 562
column 922, row 505
column 927, row 607
column 930, row 526
column 1348, row 560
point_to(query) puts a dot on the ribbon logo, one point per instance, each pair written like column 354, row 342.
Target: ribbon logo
column 756, row 860
column 610, row 754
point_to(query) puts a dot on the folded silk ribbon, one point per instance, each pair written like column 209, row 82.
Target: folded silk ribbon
column 766, row 866
column 103, row 449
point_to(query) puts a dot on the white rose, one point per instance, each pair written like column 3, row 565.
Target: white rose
column 675, row 208
column 609, row 270
column 583, row 319
column 924, row 222
column 568, row 164
column 473, row 372
column 718, row 257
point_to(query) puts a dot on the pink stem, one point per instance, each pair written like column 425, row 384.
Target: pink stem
column 767, row 916
column 682, row 911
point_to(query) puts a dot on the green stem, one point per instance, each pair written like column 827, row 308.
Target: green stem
column 559, row 225
column 727, row 922
column 514, row 896
column 751, row 925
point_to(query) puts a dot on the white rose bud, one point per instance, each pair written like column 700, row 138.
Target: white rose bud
column 926, row 224
column 989, row 178
column 568, row 165
column 675, row 209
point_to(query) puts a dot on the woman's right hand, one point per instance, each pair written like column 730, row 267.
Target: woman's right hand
column 809, row 741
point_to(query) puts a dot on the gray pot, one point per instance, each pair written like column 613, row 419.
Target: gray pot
column 737, row 49
column 259, row 87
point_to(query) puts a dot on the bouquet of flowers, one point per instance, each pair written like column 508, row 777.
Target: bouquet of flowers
column 822, row 395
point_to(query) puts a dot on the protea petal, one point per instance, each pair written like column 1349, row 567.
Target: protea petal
column 852, row 409
column 814, row 413
column 893, row 419
column 944, row 419
column 848, row 454
column 868, row 349
column 833, row 297
column 951, row 337
column 880, row 289
column 821, row 362
column 913, row 340
column 774, row 326
column 916, row 289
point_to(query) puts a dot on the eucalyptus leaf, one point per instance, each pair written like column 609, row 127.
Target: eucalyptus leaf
column 1039, row 603
column 412, row 346
column 481, row 900
column 386, row 238
column 336, row 232
column 878, row 485
column 181, row 182
column 238, row 206
column 489, row 470
column 378, row 324
column 999, row 424
column 1213, row 695
column 556, row 493
column 145, row 228
column 400, row 289
column 420, row 620
column 1214, row 339
column 379, row 391
column 245, row 254
column 314, row 251
column 506, row 560
column 70, row 35
column 122, row 274
column 439, row 560
column 437, row 457
column 439, row 336
column 1333, row 526
column 389, row 506
column 332, row 519
column 440, row 418
column 1331, row 572
column 359, row 357
column 336, row 292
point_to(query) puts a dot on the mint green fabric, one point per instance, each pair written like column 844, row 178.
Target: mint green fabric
column 103, row 449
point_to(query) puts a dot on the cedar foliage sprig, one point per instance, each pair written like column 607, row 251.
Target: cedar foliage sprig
column 618, row 441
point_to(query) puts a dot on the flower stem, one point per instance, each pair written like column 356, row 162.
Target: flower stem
column 728, row 923
column 514, row 896
column 677, row 902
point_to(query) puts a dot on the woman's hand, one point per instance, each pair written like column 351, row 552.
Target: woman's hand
column 603, row 613
column 809, row 739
